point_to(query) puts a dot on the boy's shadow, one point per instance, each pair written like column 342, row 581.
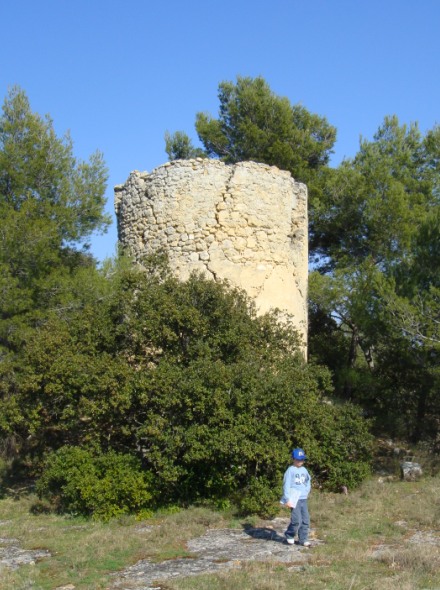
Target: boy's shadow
column 264, row 533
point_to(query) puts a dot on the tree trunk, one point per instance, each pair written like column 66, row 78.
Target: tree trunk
column 352, row 356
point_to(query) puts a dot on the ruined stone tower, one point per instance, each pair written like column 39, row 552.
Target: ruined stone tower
column 245, row 222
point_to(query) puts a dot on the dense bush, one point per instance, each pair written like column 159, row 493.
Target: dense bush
column 104, row 485
column 185, row 377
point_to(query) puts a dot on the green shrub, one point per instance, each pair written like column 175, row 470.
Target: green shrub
column 103, row 486
column 212, row 395
column 259, row 497
column 339, row 444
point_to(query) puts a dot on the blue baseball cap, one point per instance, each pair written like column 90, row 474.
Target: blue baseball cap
column 299, row 455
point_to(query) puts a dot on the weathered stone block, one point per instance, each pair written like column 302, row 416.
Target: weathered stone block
column 410, row 471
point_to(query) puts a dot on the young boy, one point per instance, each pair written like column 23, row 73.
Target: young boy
column 296, row 488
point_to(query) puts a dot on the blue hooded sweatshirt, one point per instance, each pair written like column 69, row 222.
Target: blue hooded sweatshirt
column 298, row 481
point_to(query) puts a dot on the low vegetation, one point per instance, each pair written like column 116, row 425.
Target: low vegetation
column 380, row 536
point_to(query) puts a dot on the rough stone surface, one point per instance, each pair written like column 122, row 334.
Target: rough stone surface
column 410, row 471
column 218, row 549
column 425, row 538
column 246, row 223
column 12, row 556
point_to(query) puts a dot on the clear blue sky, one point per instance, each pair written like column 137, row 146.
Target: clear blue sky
column 118, row 73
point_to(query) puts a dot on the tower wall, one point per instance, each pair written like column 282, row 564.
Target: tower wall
column 245, row 222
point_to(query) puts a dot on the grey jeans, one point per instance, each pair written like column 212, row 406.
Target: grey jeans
column 299, row 522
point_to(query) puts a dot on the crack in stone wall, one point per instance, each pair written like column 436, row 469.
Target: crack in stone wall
column 245, row 222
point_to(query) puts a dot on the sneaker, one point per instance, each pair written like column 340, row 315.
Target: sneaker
column 306, row 544
column 290, row 540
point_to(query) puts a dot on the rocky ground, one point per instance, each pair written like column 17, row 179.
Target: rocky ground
column 217, row 549
column 12, row 556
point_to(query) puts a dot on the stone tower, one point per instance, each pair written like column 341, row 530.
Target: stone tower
column 245, row 222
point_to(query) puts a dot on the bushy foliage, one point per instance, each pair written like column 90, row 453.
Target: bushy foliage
column 50, row 204
column 256, row 124
column 179, row 146
column 184, row 376
column 105, row 485
column 377, row 231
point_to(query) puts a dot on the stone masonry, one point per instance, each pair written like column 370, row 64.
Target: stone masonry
column 245, row 222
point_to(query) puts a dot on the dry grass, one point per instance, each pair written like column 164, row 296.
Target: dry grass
column 382, row 536
column 422, row 558
column 84, row 552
